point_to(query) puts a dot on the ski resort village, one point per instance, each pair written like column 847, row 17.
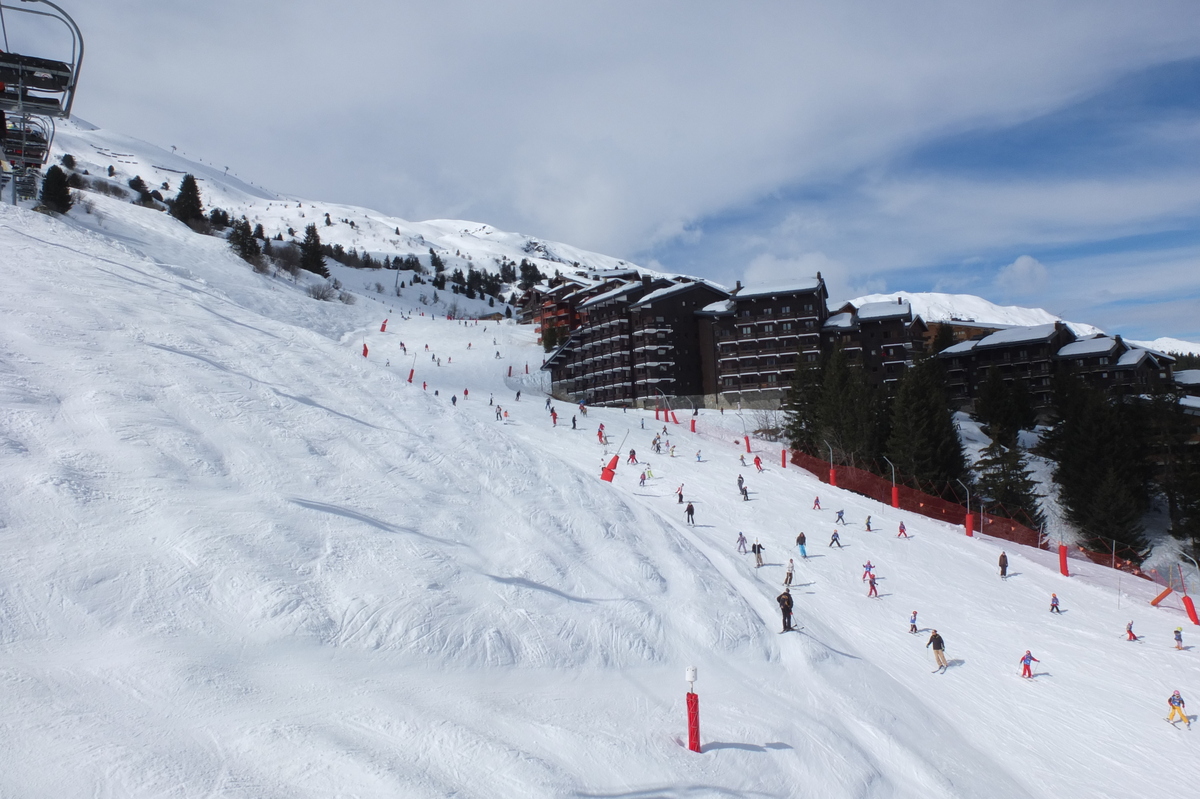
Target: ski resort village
column 302, row 499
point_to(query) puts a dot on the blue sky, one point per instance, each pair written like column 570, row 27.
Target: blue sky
column 1035, row 152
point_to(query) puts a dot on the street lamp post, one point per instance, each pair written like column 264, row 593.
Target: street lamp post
column 969, row 523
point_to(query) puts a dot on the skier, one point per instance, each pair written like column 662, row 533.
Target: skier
column 939, row 650
column 1054, row 604
column 1179, row 638
column 1027, row 662
column 573, row 422
column 873, row 591
column 741, row 543
column 679, row 494
column 554, row 418
column 840, row 518
column 491, row 400
column 835, row 539
column 1129, row 632
column 1003, row 566
column 868, row 567
column 547, row 403
column 466, row 393
column 816, row 503
column 454, row 400
column 697, row 454
column 741, row 482
column 632, row 457
column 903, row 532
column 868, row 524
column 690, row 512
column 649, row 472
column 758, row 463
column 742, row 458
column 800, row 541
column 912, row 623
column 785, row 607
column 791, row 568
column 745, row 494
column 424, row 386
column 600, row 434
column 1177, row 708
column 518, row 396
column 642, row 480
column 757, row 549
column 498, row 409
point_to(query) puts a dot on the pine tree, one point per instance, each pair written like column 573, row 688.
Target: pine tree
column 924, row 441
column 312, row 258
column 56, row 194
column 943, row 339
column 801, row 407
column 1006, row 482
column 243, row 242
column 436, row 261
column 847, row 411
column 186, row 207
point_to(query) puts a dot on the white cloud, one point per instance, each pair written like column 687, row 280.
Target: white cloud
column 1024, row 277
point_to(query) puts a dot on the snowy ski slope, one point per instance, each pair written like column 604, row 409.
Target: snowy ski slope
column 239, row 559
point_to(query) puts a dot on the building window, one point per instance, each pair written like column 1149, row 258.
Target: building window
column 786, row 309
column 766, row 311
column 658, row 319
column 1104, row 361
column 772, row 378
column 745, row 313
column 745, row 331
column 787, row 327
column 768, row 328
column 808, row 306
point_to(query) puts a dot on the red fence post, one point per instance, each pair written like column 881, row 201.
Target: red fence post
column 674, row 419
column 693, row 706
column 833, row 477
column 895, row 496
column 969, row 523
column 510, row 370
column 1062, row 560
column 693, row 425
column 747, row 442
column 783, row 458
column 609, row 471
column 1190, row 607
column 410, row 374
column 526, row 368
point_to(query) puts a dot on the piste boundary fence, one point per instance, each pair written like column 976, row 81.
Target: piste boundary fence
column 871, row 485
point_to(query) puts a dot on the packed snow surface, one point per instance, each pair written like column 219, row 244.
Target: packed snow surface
column 240, row 559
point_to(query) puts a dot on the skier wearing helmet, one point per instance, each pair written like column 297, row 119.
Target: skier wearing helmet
column 1177, row 705
column 1026, row 664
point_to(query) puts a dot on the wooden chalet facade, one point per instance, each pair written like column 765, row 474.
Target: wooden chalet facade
column 883, row 337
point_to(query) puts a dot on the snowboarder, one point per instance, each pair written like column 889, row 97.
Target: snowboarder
column 690, row 512
column 1054, row 604
column 632, row 456
column 868, row 524
column 1179, row 638
column 835, row 539
column 757, row 549
column 868, row 567
column 1129, row 632
column 1177, row 708
column 785, row 607
column 939, row 649
column 791, row 568
column 903, row 531
column 758, row 463
column 873, row 591
column 741, row 543
column 800, row 541
column 816, row 503
column 912, row 623
column 1003, row 566
column 1027, row 661
column 679, row 494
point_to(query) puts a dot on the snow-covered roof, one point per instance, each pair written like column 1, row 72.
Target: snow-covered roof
column 667, row 291
column 1096, row 345
column 883, row 310
column 717, row 308
column 1188, row 377
column 1190, row 403
column 841, row 321
column 610, row 295
column 1017, row 335
column 793, row 287
column 960, row 348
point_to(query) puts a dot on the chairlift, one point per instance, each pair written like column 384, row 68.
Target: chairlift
column 35, row 84
column 34, row 91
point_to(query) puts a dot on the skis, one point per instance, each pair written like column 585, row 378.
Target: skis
column 942, row 669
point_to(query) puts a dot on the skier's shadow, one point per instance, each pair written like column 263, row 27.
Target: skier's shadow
column 955, row 662
column 811, row 557
column 1014, row 574
column 1042, row 674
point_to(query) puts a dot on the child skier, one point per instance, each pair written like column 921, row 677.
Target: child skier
column 741, row 543
column 800, row 541
column 758, row 463
column 840, row 518
column 903, row 532
column 1027, row 661
column 745, row 494
column 835, row 540
column 1003, row 566
column 1179, row 638
column 873, row 591
column 912, row 623
column 1129, row 632
column 1054, row 604
column 816, row 503
column 642, row 480
column 679, row 494
column 868, row 524
column 868, row 567
column 1177, row 707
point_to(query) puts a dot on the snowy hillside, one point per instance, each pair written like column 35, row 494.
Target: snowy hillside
column 935, row 307
column 240, row 559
